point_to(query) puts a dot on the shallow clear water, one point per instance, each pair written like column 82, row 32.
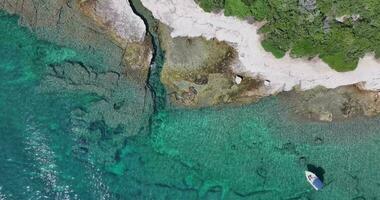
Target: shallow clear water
column 49, row 151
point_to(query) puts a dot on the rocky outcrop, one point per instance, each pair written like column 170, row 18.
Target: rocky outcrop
column 104, row 64
column 102, row 39
column 208, row 72
column 187, row 19
column 61, row 22
column 198, row 72
column 128, row 30
column 113, row 93
column 117, row 17
column 333, row 104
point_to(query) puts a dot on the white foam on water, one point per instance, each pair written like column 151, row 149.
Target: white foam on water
column 37, row 147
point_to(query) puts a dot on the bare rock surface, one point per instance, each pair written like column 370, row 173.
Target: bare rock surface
column 86, row 27
column 187, row 19
column 333, row 104
column 198, row 72
column 61, row 22
column 121, row 19
column 117, row 17
column 118, row 21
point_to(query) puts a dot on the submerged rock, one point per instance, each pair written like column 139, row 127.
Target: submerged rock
column 61, row 22
column 127, row 30
column 118, row 107
column 333, row 104
column 110, row 65
column 113, row 53
column 105, row 37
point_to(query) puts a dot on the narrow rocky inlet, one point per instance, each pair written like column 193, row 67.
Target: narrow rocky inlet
column 154, row 75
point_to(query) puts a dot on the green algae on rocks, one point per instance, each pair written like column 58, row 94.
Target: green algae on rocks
column 64, row 24
column 75, row 24
column 36, row 55
column 198, row 72
column 348, row 102
column 38, row 154
column 154, row 83
column 137, row 53
column 87, row 61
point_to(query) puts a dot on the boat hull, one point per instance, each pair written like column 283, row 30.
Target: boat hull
column 314, row 180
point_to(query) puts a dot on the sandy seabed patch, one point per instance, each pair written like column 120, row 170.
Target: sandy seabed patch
column 187, row 19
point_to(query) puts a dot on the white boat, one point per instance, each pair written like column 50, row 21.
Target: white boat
column 314, row 180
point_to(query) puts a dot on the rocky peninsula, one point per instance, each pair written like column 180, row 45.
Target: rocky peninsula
column 210, row 59
column 187, row 21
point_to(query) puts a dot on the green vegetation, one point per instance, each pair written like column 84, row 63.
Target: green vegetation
column 236, row 8
column 211, row 5
column 309, row 28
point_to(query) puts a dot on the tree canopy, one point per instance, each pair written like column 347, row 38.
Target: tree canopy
column 339, row 32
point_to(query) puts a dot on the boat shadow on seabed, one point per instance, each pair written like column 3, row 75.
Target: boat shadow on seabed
column 319, row 171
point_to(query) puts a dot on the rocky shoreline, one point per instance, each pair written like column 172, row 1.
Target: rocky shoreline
column 127, row 30
column 337, row 104
column 187, row 19
column 82, row 26
column 197, row 72
column 112, row 71
column 189, row 85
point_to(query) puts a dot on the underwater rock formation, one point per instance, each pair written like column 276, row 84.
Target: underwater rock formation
column 333, row 104
column 111, row 67
column 62, row 22
column 117, row 19
column 118, row 109
column 76, row 24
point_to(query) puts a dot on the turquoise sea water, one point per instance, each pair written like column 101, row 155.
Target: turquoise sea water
column 49, row 151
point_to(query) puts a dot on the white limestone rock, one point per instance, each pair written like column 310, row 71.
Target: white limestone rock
column 121, row 18
column 238, row 79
